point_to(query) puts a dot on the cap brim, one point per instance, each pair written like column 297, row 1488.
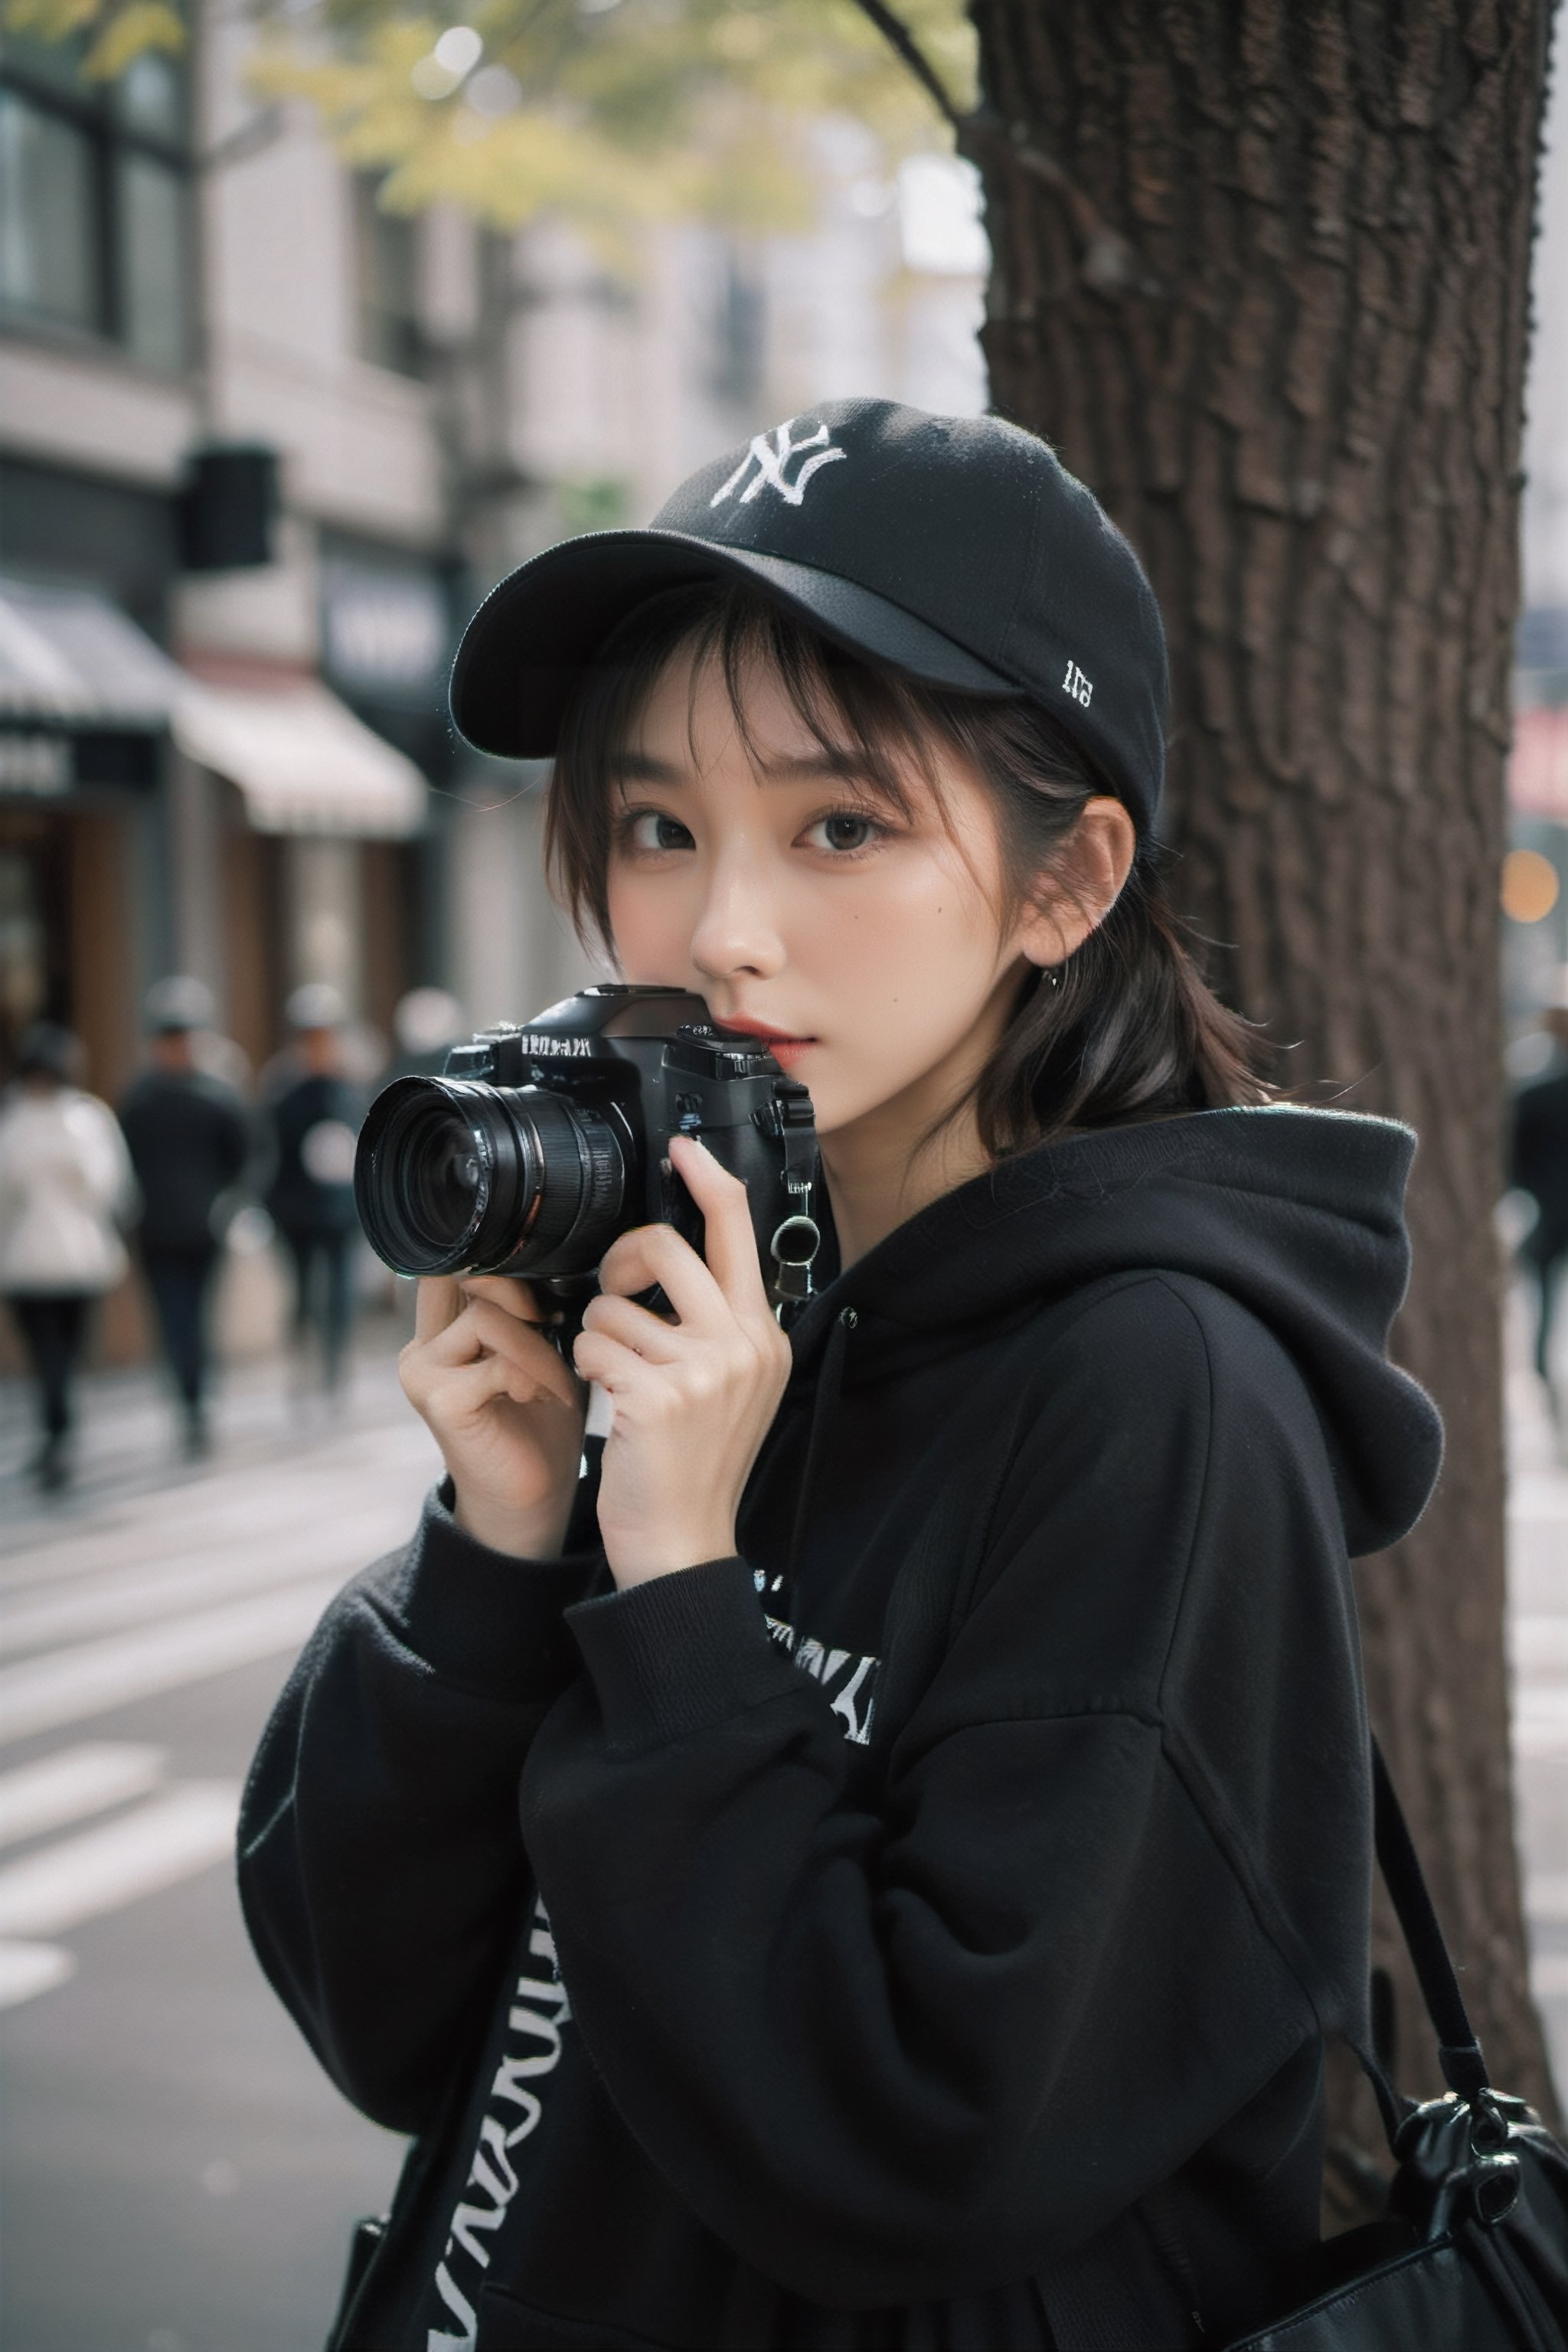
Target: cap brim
column 534, row 639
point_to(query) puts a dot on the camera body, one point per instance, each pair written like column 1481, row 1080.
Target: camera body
column 542, row 1142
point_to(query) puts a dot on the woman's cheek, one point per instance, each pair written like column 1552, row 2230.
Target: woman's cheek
column 653, row 942
column 861, row 1070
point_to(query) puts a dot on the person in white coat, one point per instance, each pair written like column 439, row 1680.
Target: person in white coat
column 66, row 1188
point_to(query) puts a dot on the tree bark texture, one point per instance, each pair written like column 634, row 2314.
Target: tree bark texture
column 1261, row 273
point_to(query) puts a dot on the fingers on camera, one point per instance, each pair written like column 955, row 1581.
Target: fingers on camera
column 609, row 1362
column 657, row 1253
column 476, row 1385
column 437, row 1301
column 515, row 1299
column 494, row 1327
column 622, row 1319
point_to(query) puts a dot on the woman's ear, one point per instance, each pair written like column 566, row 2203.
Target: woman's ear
column 1084, row 883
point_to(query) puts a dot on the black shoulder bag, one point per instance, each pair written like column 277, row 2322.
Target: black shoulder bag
column 1472, row 2255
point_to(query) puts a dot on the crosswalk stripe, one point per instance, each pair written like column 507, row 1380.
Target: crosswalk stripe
column 1537, row 1496
column 1537, row 1646
column 72, row 1684
column 1541, row 1718
column 77, row 1782
column 197, row 1520
column 168, row 1838
column 69, row 1566
column 30, row 1968
column 109, row 1605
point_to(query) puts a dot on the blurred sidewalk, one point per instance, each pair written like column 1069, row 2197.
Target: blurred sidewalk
column 128, row 1438
column 153, row 2083
column 1538, row 1650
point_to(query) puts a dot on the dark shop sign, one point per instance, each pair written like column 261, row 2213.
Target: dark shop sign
column 386, row 631
column 52, row 763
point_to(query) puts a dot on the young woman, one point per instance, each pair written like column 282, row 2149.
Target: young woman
column 878, row 1866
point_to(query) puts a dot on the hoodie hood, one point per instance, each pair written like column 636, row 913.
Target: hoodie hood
column 1299, row 1214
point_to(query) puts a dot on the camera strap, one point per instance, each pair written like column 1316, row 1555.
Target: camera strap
column 798, row 1238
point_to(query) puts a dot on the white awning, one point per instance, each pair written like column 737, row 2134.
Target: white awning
column 301, row 758
column 70, row 657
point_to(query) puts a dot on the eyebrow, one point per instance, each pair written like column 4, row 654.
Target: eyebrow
column 639, row 768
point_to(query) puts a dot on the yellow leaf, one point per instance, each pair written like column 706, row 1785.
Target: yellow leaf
column 51, row 20
column 650, row 109
column 128, row 34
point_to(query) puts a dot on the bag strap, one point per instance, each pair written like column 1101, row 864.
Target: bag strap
column 1089, row 2301
column 1463, row 2068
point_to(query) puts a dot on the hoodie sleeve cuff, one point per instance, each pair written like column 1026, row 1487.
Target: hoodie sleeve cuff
column 485, row 1620
column 679, row 1653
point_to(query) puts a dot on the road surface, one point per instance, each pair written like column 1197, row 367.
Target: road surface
column 176, row 2174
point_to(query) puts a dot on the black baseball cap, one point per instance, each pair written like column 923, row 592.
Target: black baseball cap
column 958, row 549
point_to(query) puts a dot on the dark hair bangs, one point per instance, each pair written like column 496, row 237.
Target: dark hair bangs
column 1125, row 1028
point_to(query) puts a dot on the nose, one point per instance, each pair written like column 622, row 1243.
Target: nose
column 737, row 928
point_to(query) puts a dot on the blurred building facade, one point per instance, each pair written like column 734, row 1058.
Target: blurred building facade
column 263, row 445
column 198, row 480
column 1535, row 892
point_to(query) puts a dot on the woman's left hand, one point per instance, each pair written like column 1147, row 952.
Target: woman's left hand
column 694, row 1398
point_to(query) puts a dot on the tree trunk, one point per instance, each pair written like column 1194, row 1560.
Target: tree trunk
column 1261, row 275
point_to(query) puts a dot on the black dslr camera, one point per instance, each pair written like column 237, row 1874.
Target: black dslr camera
column 541, row 1144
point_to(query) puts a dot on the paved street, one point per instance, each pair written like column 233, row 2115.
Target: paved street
column 177, row 2175
column 1538, row 1638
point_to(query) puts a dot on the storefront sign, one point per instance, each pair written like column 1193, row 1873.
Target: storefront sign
column 38, row 765
column 385, row 630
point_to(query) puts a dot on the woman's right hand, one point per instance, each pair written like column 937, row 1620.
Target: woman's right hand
column 504, row 1409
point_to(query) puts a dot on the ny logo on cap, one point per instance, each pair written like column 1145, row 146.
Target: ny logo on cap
column 772, row 454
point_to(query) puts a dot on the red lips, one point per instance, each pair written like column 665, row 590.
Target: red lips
column 784, row 1048
column 741, row 1027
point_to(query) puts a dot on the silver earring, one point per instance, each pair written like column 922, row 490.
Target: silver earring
column 1052, row 976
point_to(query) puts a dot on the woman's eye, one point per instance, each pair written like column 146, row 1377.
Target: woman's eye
column 650, row 829
column 844, row 832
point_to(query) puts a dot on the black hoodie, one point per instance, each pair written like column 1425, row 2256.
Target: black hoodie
column 922, row 1930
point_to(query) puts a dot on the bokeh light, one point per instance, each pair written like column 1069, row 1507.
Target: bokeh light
column 458, row 49
column 1530, row 887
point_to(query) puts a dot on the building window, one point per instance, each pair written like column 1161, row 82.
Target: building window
column 150, row 212
column 94, row 199
column 739, row 333
column 389, row 331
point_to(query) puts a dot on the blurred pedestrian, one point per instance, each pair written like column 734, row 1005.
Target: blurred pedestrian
column 425, row 1022
column 1540, row 1169
column 65, row 1188
column 190, row 1140
column 313, row 1109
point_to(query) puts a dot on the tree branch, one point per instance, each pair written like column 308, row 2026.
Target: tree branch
column 1109, row 263
column 900, row 38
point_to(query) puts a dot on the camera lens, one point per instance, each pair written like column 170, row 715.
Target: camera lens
column 444, row 1178
column 432, row 1160
column 453, row 1176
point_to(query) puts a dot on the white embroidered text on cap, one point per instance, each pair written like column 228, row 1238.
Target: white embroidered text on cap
column 771, row 453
